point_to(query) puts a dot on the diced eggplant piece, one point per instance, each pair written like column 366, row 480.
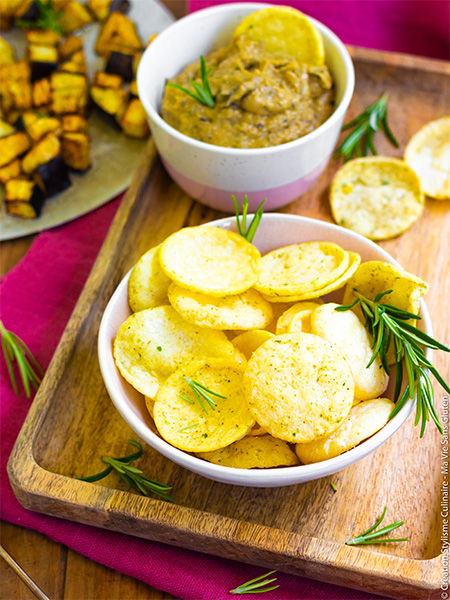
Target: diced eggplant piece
column 43, row 37
column 76, row 150
column 69, row 46
column 58, row 5
column 61, row 81
column 13, row 146
column 11, row 116
column 44, row 151
column 16, row 96
column 122, row 6
column 110, row 101
column 134, row 122
column 102, row 8
column 133, row 89
column 120, row 64
column 10, row 7
column 54, row 176
column 24, row 198
column 6, row 52
column 16, row 71
column 28, row 118
column 5, row 129
column 69, row 93
column 118, row 34
column 108, row 80
column 43, row 59
column 5, row 22
column 74, row 16
column 10, row 171
column 74, row 123
column 41, row 93
column 27, row 10
column 76, row 64
column 43, row 125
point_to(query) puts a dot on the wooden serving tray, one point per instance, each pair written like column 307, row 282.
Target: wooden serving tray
column 300, row 529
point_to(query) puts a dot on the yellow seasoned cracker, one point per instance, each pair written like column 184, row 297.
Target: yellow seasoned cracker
column 248, row 341
column 300, row 268
column 428, row 154
column 151, row 344
column 210, row 260
column 253, row 453
column 148, row 284
column 150, row 405
column 348, row 334
column 180, row 418
column 298, row 387
column 301, row 314
column 377, row 196
column 278, row 308
column 247, row 310
column 285, row 31
column 364, row 419
column 256, row 431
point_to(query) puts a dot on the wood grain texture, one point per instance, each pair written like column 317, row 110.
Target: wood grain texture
column 299, row 529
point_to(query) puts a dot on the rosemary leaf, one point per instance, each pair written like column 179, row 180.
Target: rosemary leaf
column 370, row 536
column 254, row 586
column 202, row 92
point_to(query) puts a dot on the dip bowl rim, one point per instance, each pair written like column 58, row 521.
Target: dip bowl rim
column 153, row 114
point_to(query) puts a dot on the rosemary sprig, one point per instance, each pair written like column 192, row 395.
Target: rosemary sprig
column 360, row 141
column 47, row 19
column 366, row 538
column 333, row 487
column 388, row 325
column 202, row 93
column 254, row 586
column 131, row 475
column 200, row 392
column 14, row 349
column 249, row 233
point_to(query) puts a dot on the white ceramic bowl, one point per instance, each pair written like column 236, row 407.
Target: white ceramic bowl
column 211, row 174
column 275, row 230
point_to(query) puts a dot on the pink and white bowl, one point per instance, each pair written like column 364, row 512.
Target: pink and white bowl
column 211, row 174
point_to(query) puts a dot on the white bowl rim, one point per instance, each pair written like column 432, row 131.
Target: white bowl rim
column 277, row 477
column 225, row 8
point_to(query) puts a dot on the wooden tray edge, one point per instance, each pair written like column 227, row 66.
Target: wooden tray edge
column 399, row 59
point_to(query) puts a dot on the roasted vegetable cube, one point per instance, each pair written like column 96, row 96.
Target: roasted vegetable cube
column 10, row 171
column 43, row 125
column 6, row 52
column 101, row 8
column 13, row 146
column 74, row 123
column 5, row 129
column 118, row 34
column 111, row 101
column 133, row 89
column 24, row 198
column 16, row 96
column 19, row 70
column 21, row 9
column 76, row 64
column 74, row 16
column 120, row 64
column 43, row 37
column 69, row 92
column 9, row 8
column 107, row 80
column 44, row 151
column 134, row 122
column 76, row 150
column 69, row 46
column 54, row 176
column 43, row 59
column 41, row 93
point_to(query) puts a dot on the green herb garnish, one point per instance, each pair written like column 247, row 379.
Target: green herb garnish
column 202, row 93
column 366, row 538
column 14, row 349
column 47, row 19
column 360, row 141
column 200, row 392
column 131, row 475
column 254, row 586
column 249, row 233
column 388, row 324
column 333, row 487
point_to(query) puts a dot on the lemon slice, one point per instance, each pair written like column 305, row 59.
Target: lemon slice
column 285, row 30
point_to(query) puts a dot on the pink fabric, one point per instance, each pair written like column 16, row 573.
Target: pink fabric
column 38, row 296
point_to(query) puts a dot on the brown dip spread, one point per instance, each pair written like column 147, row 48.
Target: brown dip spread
column 261, row 100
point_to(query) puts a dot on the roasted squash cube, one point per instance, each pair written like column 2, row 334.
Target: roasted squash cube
column 74, row 123
column 24, row 198
column 43, row 37
column 43, row 125
column 76, row 64
column 16, row 96
column 118, row 34
column 13, row 146
column 111, row 101
column 107, row 80
column 69, row 92
column 44, row 151
column 76, row 150
column 74, row 16
column 69, row 46
column 134, row 122
column 10, row 171
column 41, row 93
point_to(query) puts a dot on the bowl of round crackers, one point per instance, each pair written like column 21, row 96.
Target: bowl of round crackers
column 229, row 358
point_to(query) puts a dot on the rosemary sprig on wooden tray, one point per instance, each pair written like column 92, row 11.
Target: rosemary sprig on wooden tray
column 388, row 325
column 360, row 141
column 200, row 392
column 256, row 586
column 202, row 93
column 366, row 538
column 14, row 349
column 249, row 233
column 47, row 19
column 131, row 475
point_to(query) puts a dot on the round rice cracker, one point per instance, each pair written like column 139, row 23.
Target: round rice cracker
column 247, row 310
column 363, row 420
column 248, row 341
column 210, row 260
column 348, row 334
column 300, row 268
column 263, row 452
column 298, row 387
column 148, row 284
column 187, row 426
column 152, row 344
column 301, row 312
column 428, row 154
column 376, row 196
